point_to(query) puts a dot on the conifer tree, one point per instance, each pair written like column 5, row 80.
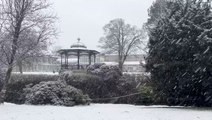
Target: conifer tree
column 180, row 51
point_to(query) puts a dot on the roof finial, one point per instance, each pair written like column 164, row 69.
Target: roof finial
column 78, row 39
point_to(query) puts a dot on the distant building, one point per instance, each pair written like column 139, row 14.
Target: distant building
column 40, row 64
column 131, row 65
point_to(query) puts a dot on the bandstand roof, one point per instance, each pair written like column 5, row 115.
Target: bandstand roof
column 78, row 47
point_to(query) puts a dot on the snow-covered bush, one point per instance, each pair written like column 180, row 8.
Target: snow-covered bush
column 106, row 72
column 65, row 75
column 95, row 68
column 54, row 93
column 14, row 93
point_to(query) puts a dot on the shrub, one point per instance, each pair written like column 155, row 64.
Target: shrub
column 96, row 87
column 147, row 95
column 127, row 85
column 100, row 81
column 140, row 84
column 14, row 93
column 55, row 93
column 105, row 83
column 89, row 84
column 92, row 85
column 95, row 66
column 65, row 75
column 105, row 72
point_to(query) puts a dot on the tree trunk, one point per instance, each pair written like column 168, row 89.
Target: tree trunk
column 20, row 67
column 5, row 82
column 11, row 60
column 121, row 66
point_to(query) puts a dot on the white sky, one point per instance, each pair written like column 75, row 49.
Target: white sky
column 86, row 18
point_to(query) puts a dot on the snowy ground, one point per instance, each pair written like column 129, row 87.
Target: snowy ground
column 101, row 112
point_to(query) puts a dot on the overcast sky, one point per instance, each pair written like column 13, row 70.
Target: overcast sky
column 86, row 18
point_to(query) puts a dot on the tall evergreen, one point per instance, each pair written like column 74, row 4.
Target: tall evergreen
column 180, row 51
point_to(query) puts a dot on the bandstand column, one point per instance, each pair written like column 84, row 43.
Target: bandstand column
column 67, row 56
column 66, row 61
column 61, row 60
column 89, row 58
column 94, row 59
column 78, row 60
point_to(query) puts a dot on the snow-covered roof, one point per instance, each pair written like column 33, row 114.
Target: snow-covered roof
column 78, row 45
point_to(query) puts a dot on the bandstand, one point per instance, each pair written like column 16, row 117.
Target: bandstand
column 72, row 58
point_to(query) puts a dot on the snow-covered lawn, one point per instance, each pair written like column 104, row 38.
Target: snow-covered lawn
column 101, row 112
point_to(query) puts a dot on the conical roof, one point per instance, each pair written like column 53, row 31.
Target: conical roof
column 78, row 45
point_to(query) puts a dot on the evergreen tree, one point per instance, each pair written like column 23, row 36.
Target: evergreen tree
column 180, row 51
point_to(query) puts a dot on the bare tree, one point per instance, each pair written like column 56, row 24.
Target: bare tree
column 25, row 25
column 30, row 48
column 122, row 39
column 55, row 49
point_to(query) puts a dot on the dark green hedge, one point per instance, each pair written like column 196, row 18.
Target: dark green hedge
column 18, row 82
column 104, row 91
column 95, row 86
